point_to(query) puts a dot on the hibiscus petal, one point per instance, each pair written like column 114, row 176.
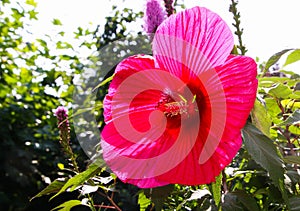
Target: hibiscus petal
column 196, row 38
column 126, row 142
column 123, row 70
column 189, row 171
column 110, row 156
column 237, row 78
column 131, row 168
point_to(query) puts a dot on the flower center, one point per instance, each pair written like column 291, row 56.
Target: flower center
column 172, row 108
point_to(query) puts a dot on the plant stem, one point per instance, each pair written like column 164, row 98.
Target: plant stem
column 225, row 188
column 110, row 199
column 236, row 24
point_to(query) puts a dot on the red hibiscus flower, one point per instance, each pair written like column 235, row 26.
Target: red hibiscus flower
column 176, row 116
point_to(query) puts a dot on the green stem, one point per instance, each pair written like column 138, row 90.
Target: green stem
column 92, row 202
column 236, row 24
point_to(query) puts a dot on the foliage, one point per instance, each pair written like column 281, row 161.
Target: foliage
column 263, row 176
column 34, row 80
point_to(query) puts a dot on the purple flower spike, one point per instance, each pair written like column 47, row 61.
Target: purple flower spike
column 61, row 113
column 154, row 16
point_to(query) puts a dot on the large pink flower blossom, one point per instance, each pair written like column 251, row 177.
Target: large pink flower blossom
column 176, row 116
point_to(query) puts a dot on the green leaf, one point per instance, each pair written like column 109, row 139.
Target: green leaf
column 295, row 95
column 279, row 91
column 289, row 104
column 247, row 200
column 57, row 22
column 4, row 90
column 234, row 50
column 61, row 166
column 103, row 82
column 260, row 118
column 216, row 189
column 63, row 45
column 143, row 201
column 62, row 33
column 270, row 81
column 295, row 203
column 292, row 57
column 54, row 187
column 31, row 2
column 292, row 159
column 17, row 14
column 264, row 152
column 26, row 75
column 273, row 59
column 293, row 119
column 9, row 79
column 293, row 175
column 272, row 107
column 79, row 179
column 66, row 57
column 43, row 43
column 230, row 203
column 32, row 14
column 5, row 2
column 294, row 129
column 67, row 205
column 297, row 86
column 160, row 194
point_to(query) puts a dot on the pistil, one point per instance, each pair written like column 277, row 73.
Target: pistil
column 172, row 108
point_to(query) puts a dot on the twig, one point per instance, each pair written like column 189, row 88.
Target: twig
column 110, row 200
column 104, row 206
